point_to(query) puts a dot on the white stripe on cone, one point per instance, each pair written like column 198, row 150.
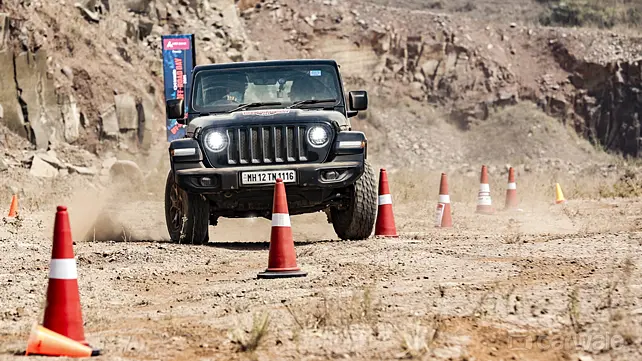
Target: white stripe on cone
column 511, row 186
column 63, row 269
column 439, row 215
column 385, row 199
column 484, row 199
column 444, row 198
column 483, row 187
column 280, row 220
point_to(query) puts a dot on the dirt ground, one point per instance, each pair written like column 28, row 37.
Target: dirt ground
column 550, row 282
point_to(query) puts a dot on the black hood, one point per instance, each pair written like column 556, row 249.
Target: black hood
column 267, row 116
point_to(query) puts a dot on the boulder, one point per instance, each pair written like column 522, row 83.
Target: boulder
column 4, row 30
column 147, row 122
column 429, row 67
column 39, row 96
column 142, row 7
column 51, row 159
column 12, row 115
column 81, row 170
column 126, row 112
column 144, row 28
column 231, row 18
column 42, row 169
column 109, row 122
column 70, row 118
column 87, row 13
column 126, row 171
column 416, row 90
column 247, row 4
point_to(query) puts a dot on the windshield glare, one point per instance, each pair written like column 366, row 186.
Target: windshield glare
column 225, row 89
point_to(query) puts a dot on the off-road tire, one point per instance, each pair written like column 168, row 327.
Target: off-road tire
column 194, row 230
column 357, row 220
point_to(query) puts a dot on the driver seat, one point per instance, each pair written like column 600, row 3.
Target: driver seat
column 301, row 89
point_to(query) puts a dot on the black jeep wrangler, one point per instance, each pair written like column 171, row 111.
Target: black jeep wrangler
column 249, row 123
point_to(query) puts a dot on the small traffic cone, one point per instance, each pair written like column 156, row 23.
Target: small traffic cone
column 13, row 209
column 484, row 201
column 385, row 224
column 43, row 341
column 282, row 258
column 559, row 196
column 444, row 218
column 63, row 313
column 511, row 191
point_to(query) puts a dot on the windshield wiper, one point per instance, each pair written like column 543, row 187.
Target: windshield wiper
column 311, row 101
column 252, row 105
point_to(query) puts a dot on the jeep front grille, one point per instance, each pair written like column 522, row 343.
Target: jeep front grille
column 267, row 144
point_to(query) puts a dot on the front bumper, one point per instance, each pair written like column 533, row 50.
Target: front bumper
column 307, row 175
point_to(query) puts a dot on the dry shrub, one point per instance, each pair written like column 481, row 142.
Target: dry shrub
column 249, row 341
column 361, row 308
column 629, row 185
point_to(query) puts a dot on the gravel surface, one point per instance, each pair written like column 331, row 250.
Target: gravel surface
column 550, row 272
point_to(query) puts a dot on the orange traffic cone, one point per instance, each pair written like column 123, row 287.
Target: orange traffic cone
column 484, row 201
column 282, row 258
column 385, row 224
column 13, row 209
column 444, row 218
column 43, row 341
column 63, row 312
column 559, row 196
column 511, row 191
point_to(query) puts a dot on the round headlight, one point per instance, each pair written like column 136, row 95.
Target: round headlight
column 215, row 141
column 318, row 136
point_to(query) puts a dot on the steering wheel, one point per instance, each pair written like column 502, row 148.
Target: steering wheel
column 224, row 101
column 222, row 90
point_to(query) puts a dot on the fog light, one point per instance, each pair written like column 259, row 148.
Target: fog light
column 331, row 175
column 206, row 182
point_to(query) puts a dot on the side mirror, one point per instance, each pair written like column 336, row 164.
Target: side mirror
column 358, row 100
column 175, row 109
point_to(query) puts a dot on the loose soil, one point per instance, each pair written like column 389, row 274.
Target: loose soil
column 526, row 285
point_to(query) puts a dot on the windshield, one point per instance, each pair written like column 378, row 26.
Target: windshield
column 220, row 90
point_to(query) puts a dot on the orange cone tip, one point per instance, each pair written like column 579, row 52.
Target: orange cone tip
column 13, row 208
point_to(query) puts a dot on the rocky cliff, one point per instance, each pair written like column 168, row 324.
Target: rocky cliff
column 91, row 73
column 606, row 103
column 587, row 78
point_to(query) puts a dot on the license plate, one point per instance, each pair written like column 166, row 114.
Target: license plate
column 267, row 177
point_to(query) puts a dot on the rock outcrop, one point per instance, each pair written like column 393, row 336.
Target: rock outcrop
column 607, row 104
column 92, row 74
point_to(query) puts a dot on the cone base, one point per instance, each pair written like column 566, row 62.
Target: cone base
column 281, row 274
column 94, row 352
column 387, row 235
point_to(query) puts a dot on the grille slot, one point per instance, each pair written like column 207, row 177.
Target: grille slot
column 267, row 145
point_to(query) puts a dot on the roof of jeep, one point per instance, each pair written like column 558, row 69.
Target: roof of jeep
column 264, row 62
